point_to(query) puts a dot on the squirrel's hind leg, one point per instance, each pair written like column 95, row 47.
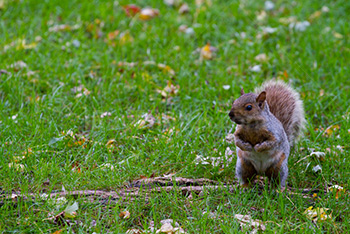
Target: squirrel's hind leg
column 278, row 173
column 245, row 171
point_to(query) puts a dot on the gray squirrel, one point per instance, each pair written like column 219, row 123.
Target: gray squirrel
column 269, row 122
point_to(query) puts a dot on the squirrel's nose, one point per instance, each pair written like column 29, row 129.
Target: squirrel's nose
column 231, row 114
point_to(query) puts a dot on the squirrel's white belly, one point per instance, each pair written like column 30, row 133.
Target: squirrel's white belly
column 261, row 161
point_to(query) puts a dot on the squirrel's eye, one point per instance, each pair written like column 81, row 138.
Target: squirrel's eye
column 249, row 107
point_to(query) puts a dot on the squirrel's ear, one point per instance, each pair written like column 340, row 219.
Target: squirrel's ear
column 261, row 99
column 242, row 91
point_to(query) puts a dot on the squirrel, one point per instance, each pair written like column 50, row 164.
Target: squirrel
column 269, row 122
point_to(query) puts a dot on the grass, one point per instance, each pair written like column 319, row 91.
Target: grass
column 42, row 103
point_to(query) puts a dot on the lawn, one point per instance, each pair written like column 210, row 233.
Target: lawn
column 95, row 95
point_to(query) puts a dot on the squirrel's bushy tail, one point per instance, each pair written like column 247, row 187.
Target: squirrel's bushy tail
column 285, row 103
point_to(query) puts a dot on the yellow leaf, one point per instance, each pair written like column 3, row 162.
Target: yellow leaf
column 317, row 214
column 337, row 35
column 206, row 52
column 58, row 232
column 124, row 214
column 329, row 131
column 125, row 38
column 315, row 15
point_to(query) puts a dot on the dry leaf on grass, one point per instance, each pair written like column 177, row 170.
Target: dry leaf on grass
column 187, row 30
column 207, row 52
column 330, row 130
column 107, row 166
column 125, row 214
column 184, row 9
column 131, row 10
column 148, row 13
column 147, row 121
column 247, row 222
column 261, row 58
column 17, row 166
column 125, row 38
column 317, row 168
column 255, row 68
column 167, row 227
column 63, row 27
column 104, row 114
column 339, row 190
column 317, row 214
column 319, row 155
column 134, row 231
column 299, row 26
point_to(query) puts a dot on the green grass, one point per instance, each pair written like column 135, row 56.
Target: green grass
column 36, row 109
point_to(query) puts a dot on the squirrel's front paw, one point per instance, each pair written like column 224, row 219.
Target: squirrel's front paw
column 245, row 146
column 259, row 147
column 266, row 145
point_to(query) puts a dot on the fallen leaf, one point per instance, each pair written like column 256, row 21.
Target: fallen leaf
column 148, row 13
column 247, row 222
column 255, row 68
column 58, row 231
column 113, row 35
column 107, row 166
column 125, row 214
column 125, row 38
column 317, row 168
column 319, row 155
column 166, row 68
column 317, row 214
column 325, row 9
column 299, row 26
column 184, row 8
column 187, row 30
column 269, row 30
column 261, row 58
column 17, row 166
column 339, row 190
column 207, row 52
column 18, row 65
column 330, row 130
column 337, row 35
column 321, row 92
column 131, row 10
column 261, row 16
column 104, row 114
column 169, row 90
column 315, row 15
column 63, row 27
column 134, row 231
column 288, row 20
column 147, row 121
column 70, row 211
